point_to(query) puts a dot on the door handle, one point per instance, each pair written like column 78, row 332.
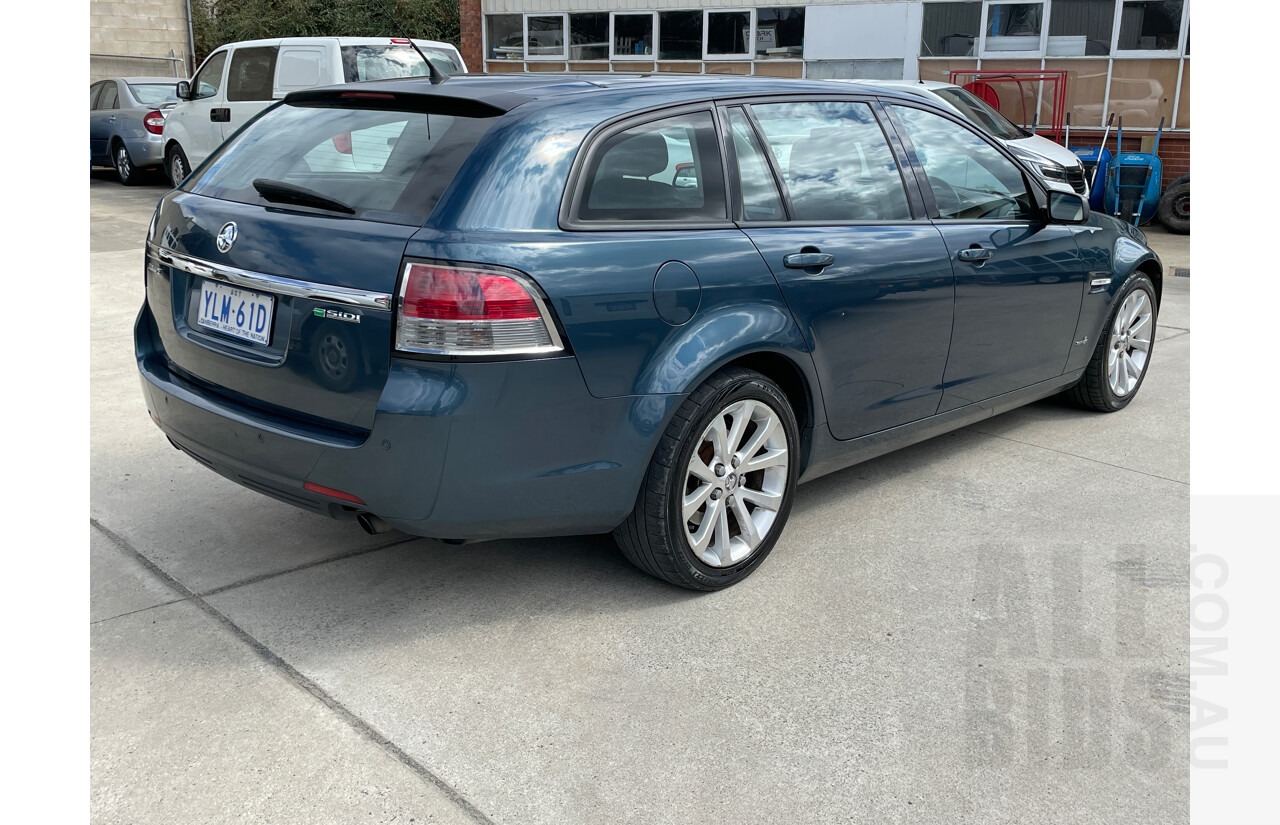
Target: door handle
column 974, row 254
column 220, row 115
column 808, row 260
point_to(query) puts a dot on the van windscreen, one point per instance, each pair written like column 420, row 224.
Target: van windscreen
column 389, row 166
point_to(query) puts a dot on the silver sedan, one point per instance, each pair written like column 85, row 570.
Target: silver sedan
column 126, row 120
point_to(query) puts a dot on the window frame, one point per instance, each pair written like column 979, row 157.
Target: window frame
column 564, row 38
column 575, row 189
column 657, row 37
column 750, row 54
column 222, row 76
column 1001, row 54
column 608, row 28
column 652, row 57
column 1147, row 54
column 271, row 84
column 1037, row 192
column 906, row 173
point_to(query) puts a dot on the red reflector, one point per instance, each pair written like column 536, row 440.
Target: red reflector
column 453, row 294
column 154, row 122
column 369, row 95
column 342, row 143
column 332, row 493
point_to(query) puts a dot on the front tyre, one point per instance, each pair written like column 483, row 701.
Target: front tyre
column 718, row 490
column 176, row 164
column 1123, row 352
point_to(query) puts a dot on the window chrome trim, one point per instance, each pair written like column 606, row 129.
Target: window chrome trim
column 272, row 283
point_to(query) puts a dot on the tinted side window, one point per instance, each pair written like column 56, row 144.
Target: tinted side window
column 252, row 73
column 760, row 198
column 835, row 161
column 93, row 94
column 969, row 178
column 209, row 79
column 667, row 170
column 110, row 97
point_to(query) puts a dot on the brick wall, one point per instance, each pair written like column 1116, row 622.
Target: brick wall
column 143, row 28
column 471, row 20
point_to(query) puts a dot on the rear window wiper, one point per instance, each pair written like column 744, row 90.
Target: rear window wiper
column 278, row 191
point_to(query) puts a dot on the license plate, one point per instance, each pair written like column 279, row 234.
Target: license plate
column 236, row 312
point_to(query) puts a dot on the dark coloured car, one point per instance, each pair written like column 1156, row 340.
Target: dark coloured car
column 537, row 306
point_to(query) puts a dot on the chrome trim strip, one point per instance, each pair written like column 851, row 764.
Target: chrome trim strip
column 272, row 283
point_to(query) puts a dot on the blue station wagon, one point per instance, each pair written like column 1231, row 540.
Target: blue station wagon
column 508, row 307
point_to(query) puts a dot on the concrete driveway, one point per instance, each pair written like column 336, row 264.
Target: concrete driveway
column 988, row 627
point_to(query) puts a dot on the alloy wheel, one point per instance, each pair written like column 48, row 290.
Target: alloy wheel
column 123, row 168
column 735, row 483
column 1130, row 343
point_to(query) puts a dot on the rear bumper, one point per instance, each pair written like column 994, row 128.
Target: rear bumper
column 456, row 451
column 148, row 151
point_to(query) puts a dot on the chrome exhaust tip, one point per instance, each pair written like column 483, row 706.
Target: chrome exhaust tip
column 371, row 524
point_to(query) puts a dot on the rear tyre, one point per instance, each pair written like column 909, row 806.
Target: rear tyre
column 175, row 163
column 125, row 170
column 1123, row 352
column 1174, row 209
column 718, row 490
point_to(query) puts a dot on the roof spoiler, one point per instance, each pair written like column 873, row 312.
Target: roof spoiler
column 437, row 101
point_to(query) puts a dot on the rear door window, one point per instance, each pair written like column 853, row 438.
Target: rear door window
column 387, row 166
column 154, row 94
column 662, row 171
column 252, row 73
column 360, row 63
column 835, row 161
column 110, row 97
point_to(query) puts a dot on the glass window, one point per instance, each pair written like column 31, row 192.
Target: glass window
column 1150, row 25
column 728, row 33
column 154, row 94
column 680, row 35
column 1142, row 91
column 977, row 111
column 969, row 178
column 1086, row 89
column 208, row 80
column 668, row 170
column 760, row 198
column 253, row 72
column 835, row 161
column 546, row 35
column 505, row 35
column 1013, row 27
column 589, row 36
column 336, row 153
column 1184, row 98
column 110, row 97
column 779, row 33
column 950, row 29
column 93, row 94
column 385, row 62
column 632, row 34
column 1080, row 27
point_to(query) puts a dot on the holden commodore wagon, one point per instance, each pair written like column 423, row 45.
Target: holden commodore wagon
column 493, row 307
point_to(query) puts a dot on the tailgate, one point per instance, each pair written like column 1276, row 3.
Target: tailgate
column 294, row 317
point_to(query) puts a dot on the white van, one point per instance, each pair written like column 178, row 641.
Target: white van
column 239, row 80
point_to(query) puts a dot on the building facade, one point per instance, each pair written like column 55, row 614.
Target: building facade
column 139, row 37
column 1089, row 58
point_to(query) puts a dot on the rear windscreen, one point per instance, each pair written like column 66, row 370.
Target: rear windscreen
column 387, row 62
column 153, row 94
column 384, row 165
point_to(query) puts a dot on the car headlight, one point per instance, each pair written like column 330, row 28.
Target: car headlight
column 1053, row 171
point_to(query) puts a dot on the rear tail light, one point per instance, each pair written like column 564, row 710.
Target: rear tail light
column 402, row 41
column 154, row 122
column 448, row 309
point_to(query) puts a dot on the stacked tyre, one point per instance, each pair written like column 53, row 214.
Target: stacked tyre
column 1174, row 210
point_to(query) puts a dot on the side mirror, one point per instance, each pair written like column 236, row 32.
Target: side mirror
column 1066, row 207
column 184, row 90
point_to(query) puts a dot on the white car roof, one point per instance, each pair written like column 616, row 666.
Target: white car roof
column 341, row 41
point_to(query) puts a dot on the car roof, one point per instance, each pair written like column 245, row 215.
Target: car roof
column 146, row 79
column 611, row 93
column 341, row 41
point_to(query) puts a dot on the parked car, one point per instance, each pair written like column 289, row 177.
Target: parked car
column 239, row 80
column 510, row 328
column 126, row 118
column 1055, row 163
